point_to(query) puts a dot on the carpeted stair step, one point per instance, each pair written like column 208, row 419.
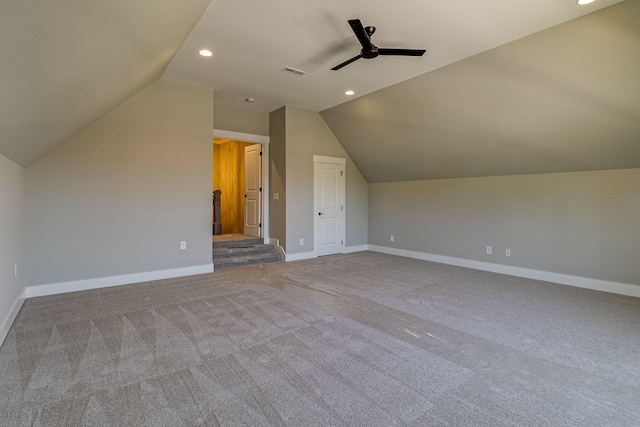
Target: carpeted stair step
column 232, row 253
column 247, row 259
column 244, row 242
column 240, row 249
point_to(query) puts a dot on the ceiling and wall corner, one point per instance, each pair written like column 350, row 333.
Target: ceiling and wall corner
column 564, row 99
column 66, row 64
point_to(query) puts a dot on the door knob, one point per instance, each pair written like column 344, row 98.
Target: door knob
column 320, row 213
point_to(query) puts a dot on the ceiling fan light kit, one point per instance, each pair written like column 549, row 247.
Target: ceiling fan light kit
column 371, row 51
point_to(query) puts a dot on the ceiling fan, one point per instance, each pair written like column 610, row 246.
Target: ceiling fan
column 369, row 50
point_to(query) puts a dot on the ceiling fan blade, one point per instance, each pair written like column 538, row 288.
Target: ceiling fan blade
column 361, row 34
column 347, row 62
column 401, row 52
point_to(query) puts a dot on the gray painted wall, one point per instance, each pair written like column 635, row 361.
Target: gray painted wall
column 307, row 135
column 12, row 232
column 118, row 197
column 580, row 223
column 278, row 162
column 240, row 120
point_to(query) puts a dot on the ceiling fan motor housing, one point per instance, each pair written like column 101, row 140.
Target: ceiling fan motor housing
column 370, row 54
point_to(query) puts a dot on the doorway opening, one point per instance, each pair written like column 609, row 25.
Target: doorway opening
column 240, row 177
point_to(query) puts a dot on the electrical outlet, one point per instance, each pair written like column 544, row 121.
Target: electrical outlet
column 183, row 245
column 507, row 252
column 393, row 238
column 301, row 242
column 489, row 250
column 276, row 196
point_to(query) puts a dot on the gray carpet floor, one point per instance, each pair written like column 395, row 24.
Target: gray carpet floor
column 363, row 339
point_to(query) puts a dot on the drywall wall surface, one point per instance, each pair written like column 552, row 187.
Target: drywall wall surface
column 277, row 173
column 307, row 135
column 12, row 235
column 240, row 120
column 356, row 193
column 582, row 224
column 120, row 196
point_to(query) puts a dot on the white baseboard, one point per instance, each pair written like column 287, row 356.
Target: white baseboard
column 562, row 279
column 300, row 256
column 359, row 248
column 279, row 249
column 105, row 282
column 309, row 255
column 272, row 241
column 11, row 316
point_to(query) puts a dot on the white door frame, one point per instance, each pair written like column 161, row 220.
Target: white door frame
column 335, row 161
column 256, row 139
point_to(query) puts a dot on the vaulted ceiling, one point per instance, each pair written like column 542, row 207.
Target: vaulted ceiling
column 504, row 88
column 64, row 64
column 561, row 100
column 253, row 41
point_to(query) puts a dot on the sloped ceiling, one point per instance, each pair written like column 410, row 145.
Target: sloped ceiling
column 64, row 64
column 564, row 99
column 254, row 40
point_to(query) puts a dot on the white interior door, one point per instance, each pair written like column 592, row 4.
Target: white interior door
column 329, row 183
column 253, row 190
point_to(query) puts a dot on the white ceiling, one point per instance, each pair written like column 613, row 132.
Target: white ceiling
column 253, row 40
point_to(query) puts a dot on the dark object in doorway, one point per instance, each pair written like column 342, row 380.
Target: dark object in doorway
column 217, row 224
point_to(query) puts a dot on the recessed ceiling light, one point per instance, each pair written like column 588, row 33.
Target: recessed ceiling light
column 581, row 2
column 349, row 92
column 249, row 100
column 205, row 52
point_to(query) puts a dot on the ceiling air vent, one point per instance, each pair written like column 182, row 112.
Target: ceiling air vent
column 295, row 71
